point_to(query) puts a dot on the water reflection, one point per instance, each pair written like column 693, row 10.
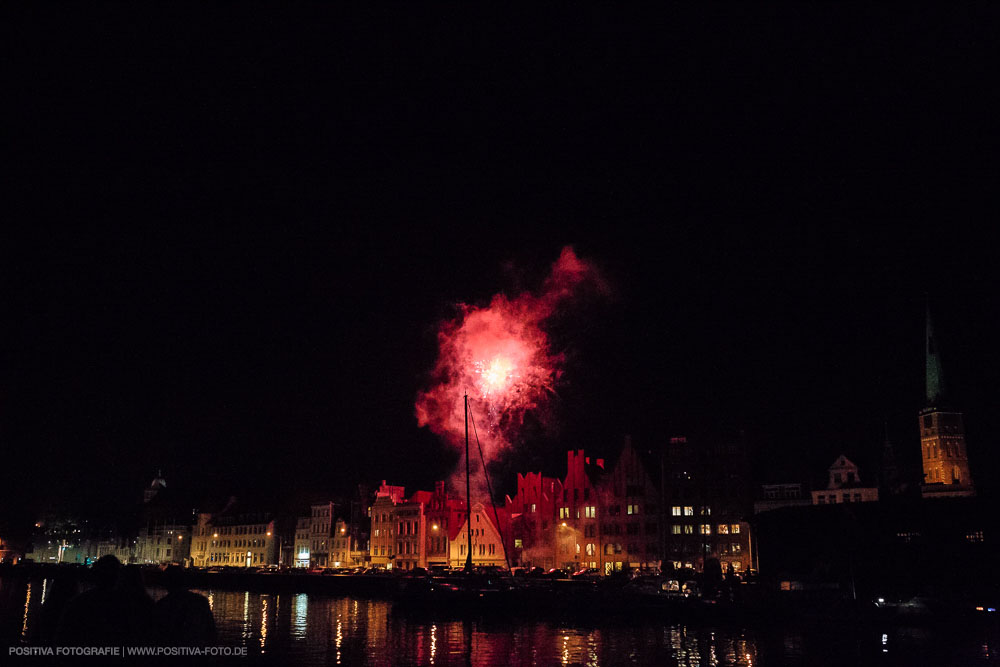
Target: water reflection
column 306, row 629
column 300, row 614
column 27, row 606
column 263, row 624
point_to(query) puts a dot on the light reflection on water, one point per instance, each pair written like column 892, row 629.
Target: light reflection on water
column 306, row 629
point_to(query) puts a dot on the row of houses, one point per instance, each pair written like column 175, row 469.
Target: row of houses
column 679, row 504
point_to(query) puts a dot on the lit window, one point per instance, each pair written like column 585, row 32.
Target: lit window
column 563, row 512
column 688, row 530
column 675, row 529
column 734, row 529
column 688, row 510
column 723, row 529
column 532, row 507
column 706, row 529
column 518, row 543
column 591, row 512
column 633, row 509
column 675, row 510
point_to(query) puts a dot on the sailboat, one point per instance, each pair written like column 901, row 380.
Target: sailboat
column 470, row 585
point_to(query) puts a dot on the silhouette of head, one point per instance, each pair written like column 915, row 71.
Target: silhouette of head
column 173, row 578
column 105, row 571
column 130, row 580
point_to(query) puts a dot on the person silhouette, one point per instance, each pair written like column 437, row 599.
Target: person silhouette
column 136, row 604
column 182, row 618
column 96, row 617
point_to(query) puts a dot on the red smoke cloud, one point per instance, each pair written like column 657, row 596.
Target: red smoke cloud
column 500, row 355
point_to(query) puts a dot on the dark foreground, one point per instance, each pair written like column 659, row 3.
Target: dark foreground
column 282, row 626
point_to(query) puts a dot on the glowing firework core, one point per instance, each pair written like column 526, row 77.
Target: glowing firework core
column 500, row 354
column 494, row 376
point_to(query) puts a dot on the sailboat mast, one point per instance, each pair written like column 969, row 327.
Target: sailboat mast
column 468, row 490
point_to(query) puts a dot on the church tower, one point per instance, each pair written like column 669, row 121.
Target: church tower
column 942, row 434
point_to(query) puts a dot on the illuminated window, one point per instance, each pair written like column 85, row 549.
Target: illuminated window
column 688, row 510
column 675, row 510
column 736, row 547
column 591, row 512
column 734, row 529
column 688, row 530
column 518, row 543
column 591, row 549
column 633, row 509
column 563, row 512
column 723, row 529
column 706, row 529
column 532, row 507
column 706, row 511
column 675, row 529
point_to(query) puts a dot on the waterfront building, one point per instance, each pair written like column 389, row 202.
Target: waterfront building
column 235, row 536
column 57, row 539
column 444, row 516
column 532, row 512
column 410, row 524
column 580, row 513
column 320, row 534
column 487, row 546
column 8, row 554
column 627, row 535
column 359, row 525
column 383, row 528
column 705, row 495
column 163, row 543
column 341, row 545
column 844, row 485
column 301, row 542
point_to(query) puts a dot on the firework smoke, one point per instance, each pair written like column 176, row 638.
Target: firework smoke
column 500, row 355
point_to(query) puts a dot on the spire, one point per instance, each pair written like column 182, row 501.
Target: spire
column 935, row 380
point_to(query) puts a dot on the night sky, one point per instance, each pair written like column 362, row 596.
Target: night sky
column 229, row 240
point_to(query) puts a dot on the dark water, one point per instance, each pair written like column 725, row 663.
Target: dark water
column 300, row 629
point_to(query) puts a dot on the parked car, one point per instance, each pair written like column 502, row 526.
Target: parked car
column 556, row 573
column 536, row 572
column 586, row 574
